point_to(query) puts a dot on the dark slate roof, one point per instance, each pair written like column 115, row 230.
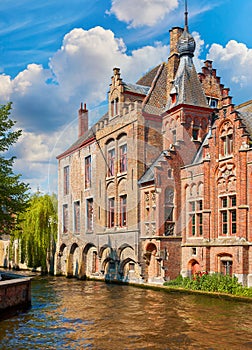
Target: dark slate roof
column 148, row 78
column 187, row 86
column 136, row 88
column 149, row 175
column 245, row 112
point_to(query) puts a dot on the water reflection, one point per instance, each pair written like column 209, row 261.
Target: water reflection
column 71, row 314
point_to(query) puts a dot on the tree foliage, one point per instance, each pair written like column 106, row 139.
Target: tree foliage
column 13, row 192
column 39, row 231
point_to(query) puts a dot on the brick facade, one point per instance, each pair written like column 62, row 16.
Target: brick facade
column 160, row 185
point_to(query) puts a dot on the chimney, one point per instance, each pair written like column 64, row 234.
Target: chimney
column 173, row 60
column 83, row 120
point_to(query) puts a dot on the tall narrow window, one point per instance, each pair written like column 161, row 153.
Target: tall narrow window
column 90, row 214
column 123, row 158
column 66, row 180
column 227, row 139
column 169, row 223
column 65, row 218
column 77, row 217
column 88, row 173
column 111, row 212
column 111, row 162
column 228, row 219
column 123, row 210
column 196, row 218
column 114, row 107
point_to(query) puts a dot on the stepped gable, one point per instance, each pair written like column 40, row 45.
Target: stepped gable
column 245, row 112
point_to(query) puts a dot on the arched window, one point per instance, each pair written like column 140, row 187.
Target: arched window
column 226, row 137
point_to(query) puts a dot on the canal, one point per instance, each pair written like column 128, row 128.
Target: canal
column 72, row 314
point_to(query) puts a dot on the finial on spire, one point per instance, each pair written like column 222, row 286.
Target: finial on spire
column 186, row 16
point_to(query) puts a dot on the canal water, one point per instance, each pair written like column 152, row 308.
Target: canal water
column 73, row 314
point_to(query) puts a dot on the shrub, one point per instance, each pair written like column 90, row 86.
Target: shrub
column 215, row 282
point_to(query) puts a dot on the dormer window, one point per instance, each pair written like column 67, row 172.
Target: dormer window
column 173, row 95
column 213, row 102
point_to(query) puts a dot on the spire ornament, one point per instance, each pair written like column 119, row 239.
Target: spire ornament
column 186, row 43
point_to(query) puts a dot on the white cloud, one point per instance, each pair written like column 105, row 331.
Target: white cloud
column 234, row 62
column 142, row 12
column 45, row 101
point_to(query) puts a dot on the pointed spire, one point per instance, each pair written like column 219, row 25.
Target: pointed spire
column 186, row 16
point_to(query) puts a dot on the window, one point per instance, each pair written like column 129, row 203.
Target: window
column 88, row 172
column 65, row 218
column 90, row 214
column 111, row 212
column 111, row 162
column 169, row 206
column 66, row 180
column 196, row 217
column 226, row 266
column 114, row 107
column 228, row 218
column 123, row 210
column 195, row 134
column 227, row 139
column 123, row 158
column 77, row 216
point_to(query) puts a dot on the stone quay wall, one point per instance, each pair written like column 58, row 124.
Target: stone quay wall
column 15, row 293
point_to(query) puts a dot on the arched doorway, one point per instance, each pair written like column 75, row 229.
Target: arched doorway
column 193, row 267
column 153, row 268
column 73, row 261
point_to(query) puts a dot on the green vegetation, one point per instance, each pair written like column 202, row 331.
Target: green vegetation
column 13, row 193
column 38, row 232
column 211, row 283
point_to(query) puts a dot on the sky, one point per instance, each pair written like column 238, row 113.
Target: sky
column 56, row 54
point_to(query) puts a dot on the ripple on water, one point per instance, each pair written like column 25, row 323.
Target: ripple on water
column 72, row 314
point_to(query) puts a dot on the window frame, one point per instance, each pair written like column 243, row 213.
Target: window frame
column 123, row 152
column 77, row 217
column 228, row 215
column 65, row 218
column 90, row 214
column 88, row 172
column 66, row 180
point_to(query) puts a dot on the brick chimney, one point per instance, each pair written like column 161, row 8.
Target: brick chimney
column 83, row 120
column 173, row 60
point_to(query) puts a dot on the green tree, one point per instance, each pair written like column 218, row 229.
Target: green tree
column 38, row 232
column 13, row 192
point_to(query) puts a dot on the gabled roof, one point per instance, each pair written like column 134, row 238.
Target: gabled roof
column 89, row 136
column 148, row 78
column 157, row 96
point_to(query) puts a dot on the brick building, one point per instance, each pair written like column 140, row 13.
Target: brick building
column 160, row 185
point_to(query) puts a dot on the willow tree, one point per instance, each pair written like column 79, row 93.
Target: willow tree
column 38, row 232
column 13, row 192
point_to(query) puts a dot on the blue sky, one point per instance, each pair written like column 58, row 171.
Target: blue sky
column 57, row 54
